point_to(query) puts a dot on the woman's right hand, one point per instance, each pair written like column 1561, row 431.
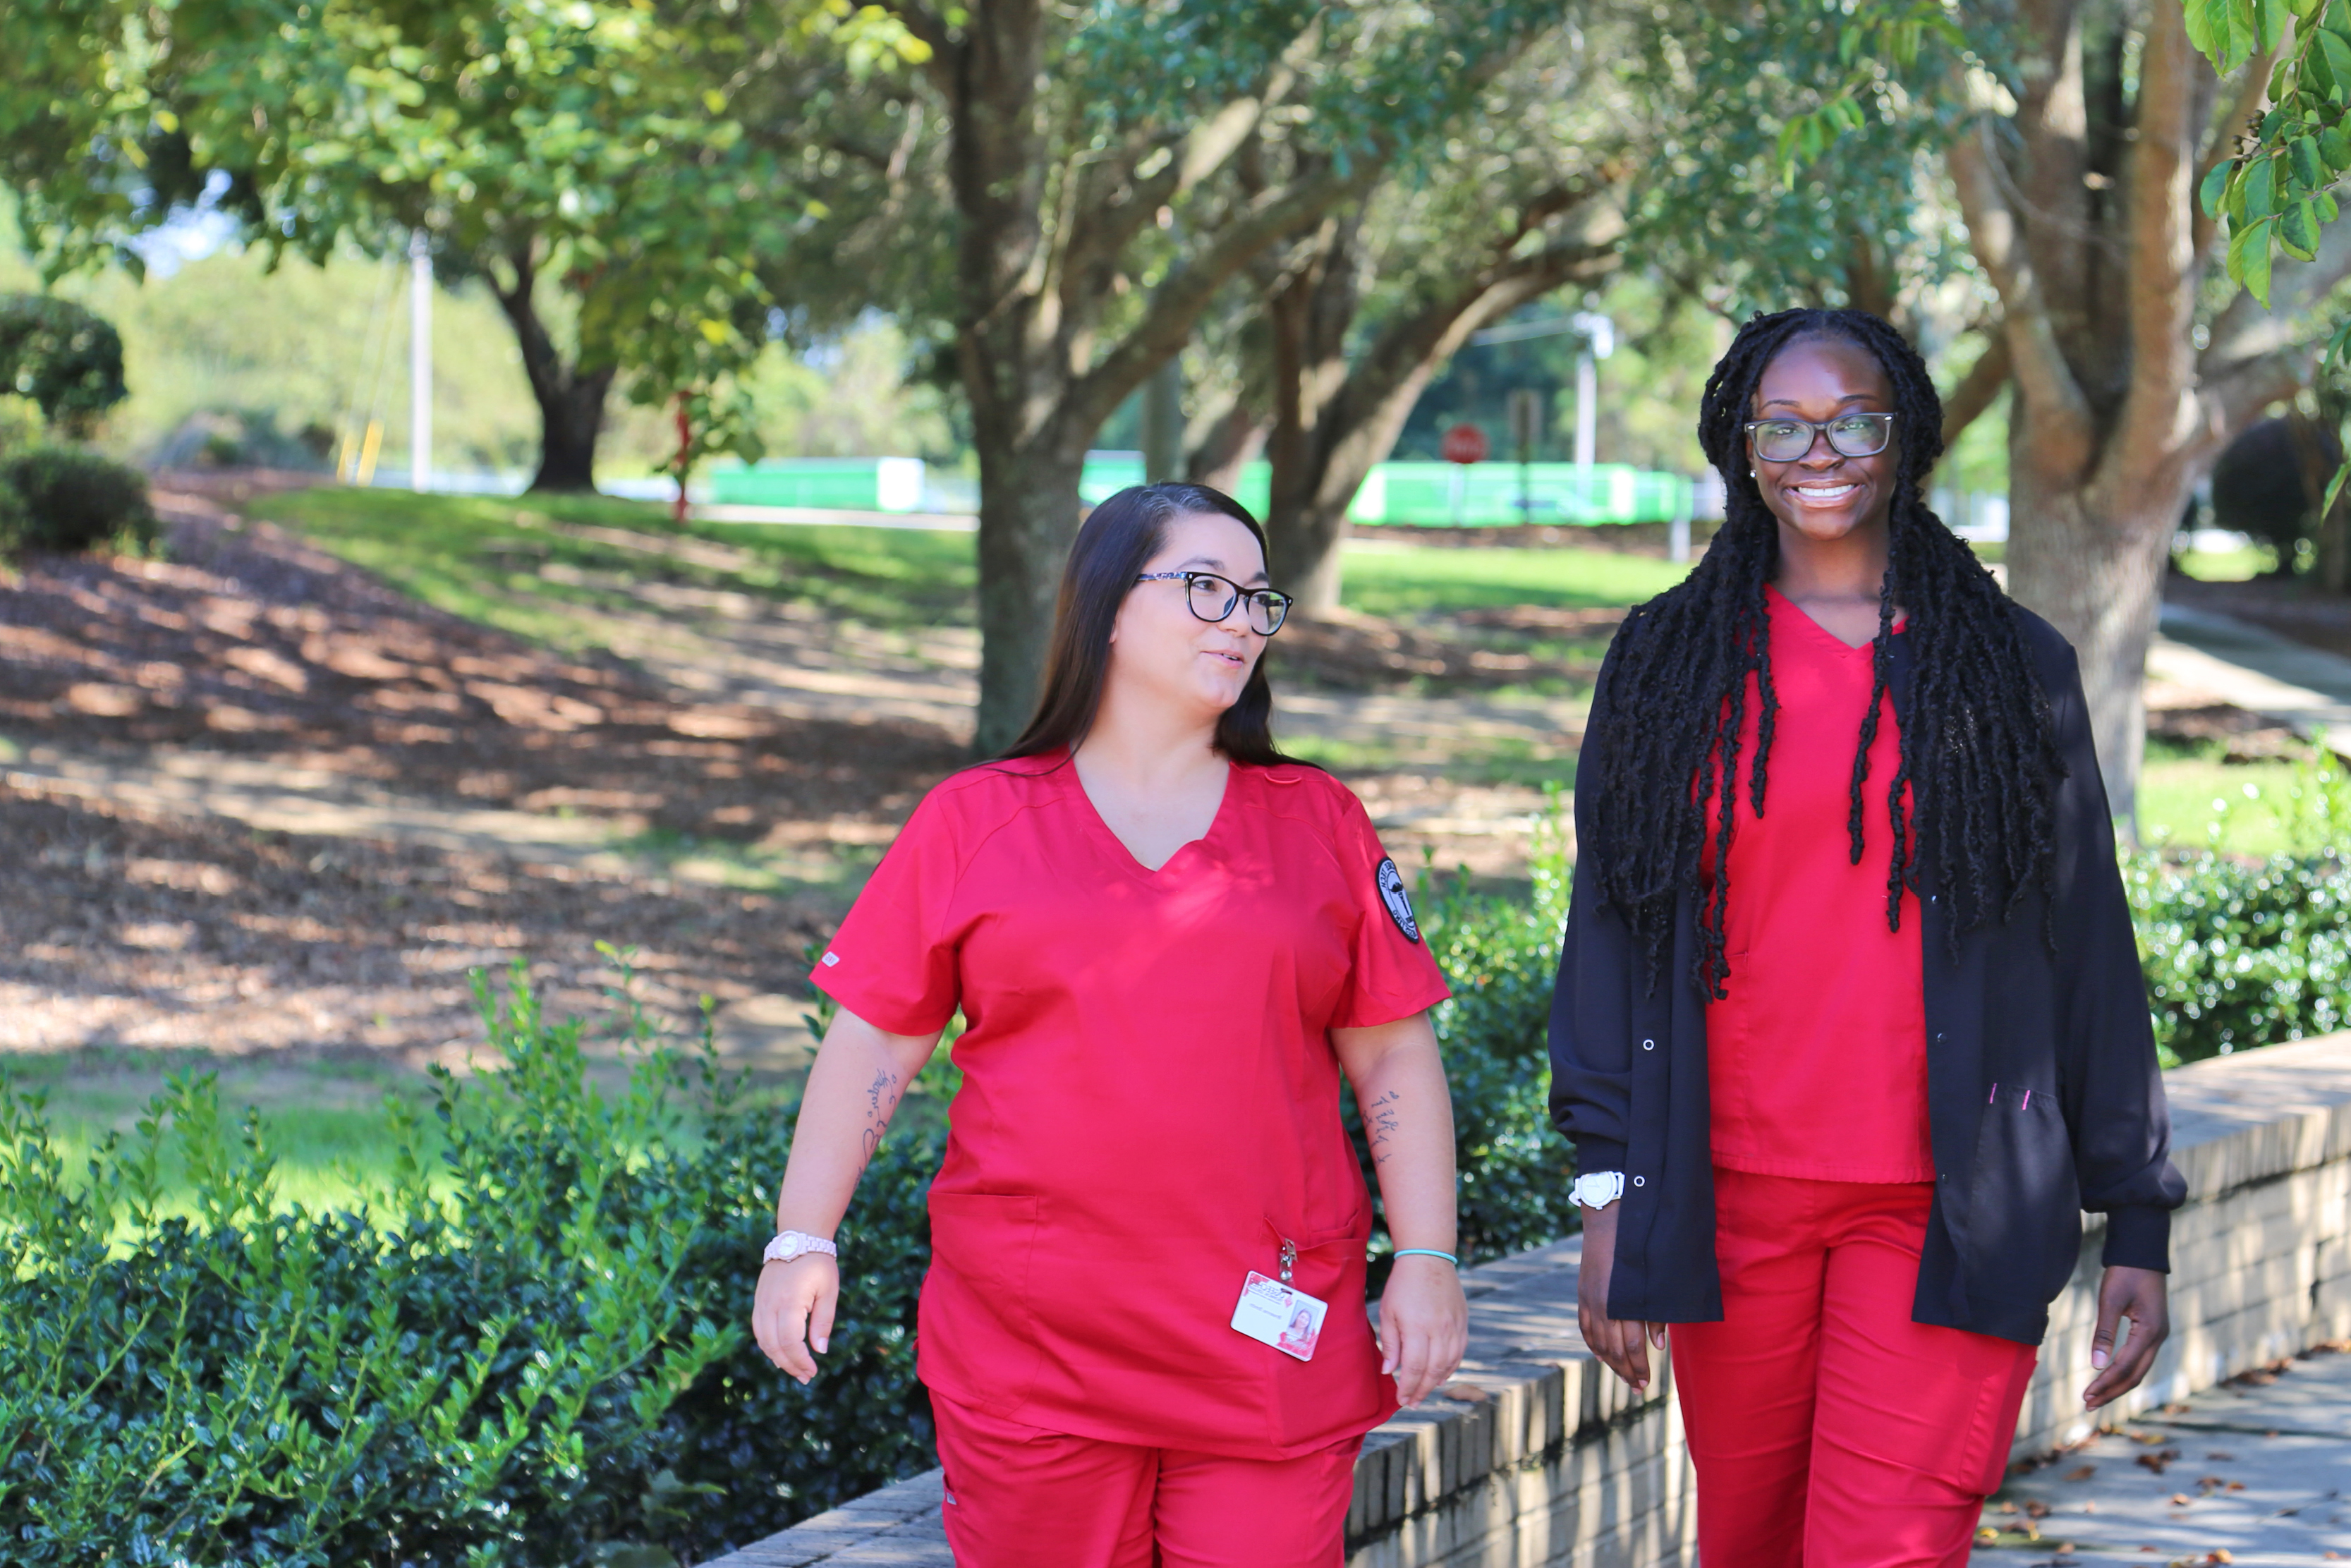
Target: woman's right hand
column 792, row 1315
column 1623, row 1343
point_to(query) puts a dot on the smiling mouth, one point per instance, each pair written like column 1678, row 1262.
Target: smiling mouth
column 1823, row 493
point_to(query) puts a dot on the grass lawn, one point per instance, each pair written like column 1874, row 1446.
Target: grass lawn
column 2188, row 797
column 1381, row 579
column 479, row 555
column 325, row 1121
column 2228, row 566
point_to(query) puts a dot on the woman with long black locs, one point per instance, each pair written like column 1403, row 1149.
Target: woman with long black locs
column 1849, row 1027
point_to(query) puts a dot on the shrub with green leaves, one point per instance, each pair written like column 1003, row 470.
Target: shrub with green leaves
column 75, row 500
column 68, row 360
column 2241, row 953
column 1501, row 956
column 529, row 1350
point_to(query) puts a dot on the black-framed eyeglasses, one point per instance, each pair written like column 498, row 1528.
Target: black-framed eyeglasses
column 1212, row 599
column 1850, row 435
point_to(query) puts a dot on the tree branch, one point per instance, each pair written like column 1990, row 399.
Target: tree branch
column 1360, row 424
column 1978, row 389
column 2038, row 363
column 932, row 30
column 1177, row 302
column 2052, row 119
column 2161, row 299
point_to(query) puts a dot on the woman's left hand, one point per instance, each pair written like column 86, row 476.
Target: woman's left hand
column 2138, row 1294
column 1424, row 1326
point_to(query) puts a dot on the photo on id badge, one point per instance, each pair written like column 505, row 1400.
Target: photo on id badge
column 1271, row 1312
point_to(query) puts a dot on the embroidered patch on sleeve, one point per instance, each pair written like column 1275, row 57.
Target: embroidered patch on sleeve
column 1399, row 904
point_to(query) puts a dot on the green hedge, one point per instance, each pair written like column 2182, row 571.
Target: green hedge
column 529, row 1350
column 66, row 499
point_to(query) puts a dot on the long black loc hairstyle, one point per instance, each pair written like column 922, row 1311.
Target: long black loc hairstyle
column 1978, row 755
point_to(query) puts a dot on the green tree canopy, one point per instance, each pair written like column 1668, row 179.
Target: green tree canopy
column 586, row 161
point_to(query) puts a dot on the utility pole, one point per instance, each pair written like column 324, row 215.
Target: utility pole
column 420, row 362
column 1599, row 342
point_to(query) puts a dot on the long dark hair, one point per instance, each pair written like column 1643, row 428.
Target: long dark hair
column 1117, row 538
column 1977, row 745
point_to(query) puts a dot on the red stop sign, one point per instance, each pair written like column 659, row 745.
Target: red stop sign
column 1464, row 444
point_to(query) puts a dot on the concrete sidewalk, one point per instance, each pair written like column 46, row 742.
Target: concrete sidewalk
column 2251, row 667
column 2253, row 1473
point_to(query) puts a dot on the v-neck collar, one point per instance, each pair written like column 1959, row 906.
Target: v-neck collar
column 1776, row 600
column 1115, row 847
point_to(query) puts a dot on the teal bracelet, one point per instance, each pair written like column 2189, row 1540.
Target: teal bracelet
column 1425, row 1252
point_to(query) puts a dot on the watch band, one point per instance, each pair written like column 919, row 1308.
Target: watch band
column 1597, row 1189
column 793, row 1244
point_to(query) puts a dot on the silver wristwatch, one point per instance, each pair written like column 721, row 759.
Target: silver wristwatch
column 794, row 1244
column 1597, row 1189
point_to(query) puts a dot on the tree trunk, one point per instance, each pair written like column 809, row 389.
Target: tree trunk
column 570, row 399
column 1227, row 444
column 2092, row 566
column 571, row 420
column 2333, row 569
column 1028, row 512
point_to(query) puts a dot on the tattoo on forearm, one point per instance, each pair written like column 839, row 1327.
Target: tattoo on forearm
column 1382, row 1120
column 880, row 1100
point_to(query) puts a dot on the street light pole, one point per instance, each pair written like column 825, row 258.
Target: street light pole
column 420, row 362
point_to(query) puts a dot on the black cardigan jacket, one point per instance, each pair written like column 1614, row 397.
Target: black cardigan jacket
column 2044, row 1098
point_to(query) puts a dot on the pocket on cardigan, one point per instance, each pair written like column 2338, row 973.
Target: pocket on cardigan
column 2024, row 1211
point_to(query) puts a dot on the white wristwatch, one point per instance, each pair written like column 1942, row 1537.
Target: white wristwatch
column 794, row 1244
column 1597, row 1189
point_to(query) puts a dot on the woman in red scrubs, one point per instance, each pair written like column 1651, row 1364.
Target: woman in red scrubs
column 1849, row 1027
column 1143, row 1328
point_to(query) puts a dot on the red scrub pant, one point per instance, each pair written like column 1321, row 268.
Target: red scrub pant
column 1827, row 1429
column 1019, row 1496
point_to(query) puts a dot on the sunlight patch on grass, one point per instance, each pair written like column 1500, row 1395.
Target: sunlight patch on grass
column 1435, row 581
column 2188, row 800
column 482, row 556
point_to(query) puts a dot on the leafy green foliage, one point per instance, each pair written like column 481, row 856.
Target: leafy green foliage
column 2240, row 952
column 55, row 352
column 1501, row 956
column 73, row 500
column 1792, row 151
column 528, row 1358
column 592, row 151
column 2276, row 193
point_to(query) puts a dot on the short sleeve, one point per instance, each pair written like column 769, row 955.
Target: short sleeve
column 1392, row 974
column 891, row 963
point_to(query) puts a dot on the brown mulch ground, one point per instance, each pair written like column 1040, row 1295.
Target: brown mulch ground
column 1478, row 650
column 201, row 932
column 251, row 642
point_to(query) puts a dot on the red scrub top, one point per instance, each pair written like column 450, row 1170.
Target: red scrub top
column 1818, row 1059
column 1150, row 1102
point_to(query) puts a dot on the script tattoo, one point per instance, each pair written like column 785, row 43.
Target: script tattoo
column 881, row 1100
column 1382, row 1120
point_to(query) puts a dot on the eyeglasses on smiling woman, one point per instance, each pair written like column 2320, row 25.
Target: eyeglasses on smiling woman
column 1792, row 440
column 1212, row 599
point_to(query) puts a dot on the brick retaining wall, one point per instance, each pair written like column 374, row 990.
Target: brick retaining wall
column 1540, row 1458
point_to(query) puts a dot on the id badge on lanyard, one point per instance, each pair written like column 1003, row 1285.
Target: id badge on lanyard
column 1275, row 1313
